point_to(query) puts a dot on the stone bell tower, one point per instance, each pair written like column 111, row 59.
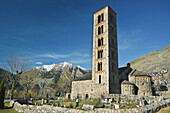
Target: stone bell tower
column 105, row 51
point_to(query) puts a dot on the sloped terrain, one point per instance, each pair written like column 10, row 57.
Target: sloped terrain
column 153, row 62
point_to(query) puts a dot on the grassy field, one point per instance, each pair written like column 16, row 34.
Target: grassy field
column 8, row 110
column 11, row 110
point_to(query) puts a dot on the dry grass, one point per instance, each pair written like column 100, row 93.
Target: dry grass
column 165, row 110
column 8, row 110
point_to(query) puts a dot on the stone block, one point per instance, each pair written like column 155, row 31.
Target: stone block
column 88, row 107
column 117, row 106
column 11, row 103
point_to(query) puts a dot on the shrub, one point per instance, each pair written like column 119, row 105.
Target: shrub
column 58, row 104
column 28, row 95
column 96, row 102
column 46, row 95
column 69, row 105
column 2, row 94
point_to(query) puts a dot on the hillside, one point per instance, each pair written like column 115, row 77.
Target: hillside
column 153, row 62
column 2, row 75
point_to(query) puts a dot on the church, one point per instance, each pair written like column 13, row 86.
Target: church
column 106, row 76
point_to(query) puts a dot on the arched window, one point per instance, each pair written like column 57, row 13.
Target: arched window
column 98, row 54
column 101, row 54
column 99, row 31
column 99, row 79
column 98, row 66
column 98, row 19
column 101, row 41
column 102, row 29
column 102, row 17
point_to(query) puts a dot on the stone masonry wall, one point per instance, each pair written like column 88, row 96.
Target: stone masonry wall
column 87, row 89
column 127, row 89
column 80, row 88
column 152, row 108
column 143, row 83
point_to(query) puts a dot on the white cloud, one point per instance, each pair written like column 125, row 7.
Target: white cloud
column 78, row 57
column 38, row 63
column 65, row 56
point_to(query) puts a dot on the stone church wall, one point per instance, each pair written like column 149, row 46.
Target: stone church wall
column 143, row 83
column 127, row 89
column 87, row 89
column 80, row 88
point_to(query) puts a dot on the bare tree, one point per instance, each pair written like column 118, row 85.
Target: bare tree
column 16, row 66
column 27, row 83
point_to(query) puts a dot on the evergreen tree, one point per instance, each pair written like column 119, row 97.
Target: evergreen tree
column 2, row 94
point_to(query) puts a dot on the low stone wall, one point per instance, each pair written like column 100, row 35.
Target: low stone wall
column 154, row 107
column 134, row 98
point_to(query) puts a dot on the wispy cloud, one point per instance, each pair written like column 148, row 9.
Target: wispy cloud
column 74, row 57
column 63, row 56
column 53, row 55
column 38, row 63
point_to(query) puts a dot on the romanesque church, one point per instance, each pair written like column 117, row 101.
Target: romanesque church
column 107, row 78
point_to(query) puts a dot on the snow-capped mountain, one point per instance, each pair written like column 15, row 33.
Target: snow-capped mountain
column 60, row 67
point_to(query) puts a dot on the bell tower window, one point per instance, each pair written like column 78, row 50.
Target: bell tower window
column 102, row 29
column 99, row 79
column 100, row 54
column 101, row 41
column 100, row 66
column 102, row 17
column 98, row 19
column 99, row 30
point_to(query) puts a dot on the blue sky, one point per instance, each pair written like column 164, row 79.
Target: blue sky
column 54, row 31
